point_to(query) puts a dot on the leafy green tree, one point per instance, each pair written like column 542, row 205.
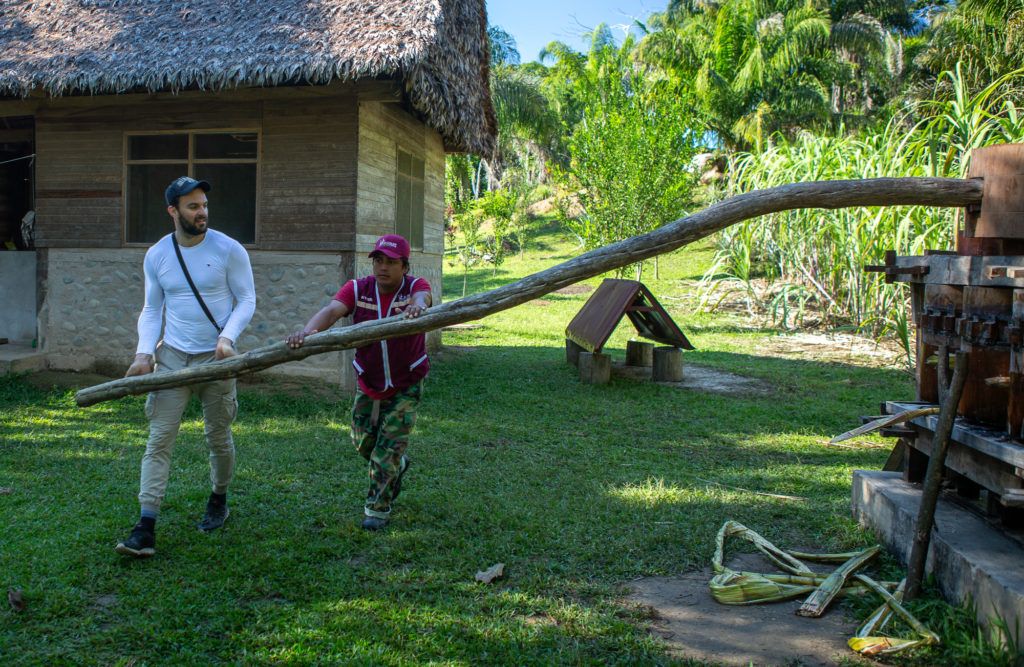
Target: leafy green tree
column 631, row 147
column 498, row 206
column 464, row 237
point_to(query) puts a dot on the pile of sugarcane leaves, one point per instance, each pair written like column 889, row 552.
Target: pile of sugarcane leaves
column 731, row 587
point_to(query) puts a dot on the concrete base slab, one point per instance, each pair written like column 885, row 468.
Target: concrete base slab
column 970, row 559
column 20, row 358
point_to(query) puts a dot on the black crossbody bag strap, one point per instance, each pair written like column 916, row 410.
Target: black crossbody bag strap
column 199, row 298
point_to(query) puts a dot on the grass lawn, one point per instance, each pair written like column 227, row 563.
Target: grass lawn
column 576, row 489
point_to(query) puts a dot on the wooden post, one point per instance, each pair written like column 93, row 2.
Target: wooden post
column 639, row 353
column 984, row 402
column 942, row 372
column 895, row 462
column 948, row 299
column 933, row 478
column 595, row 368
column 915, row 465
column 572, row 352
column 668, row 364
column 1015, row 405
column 965, row 488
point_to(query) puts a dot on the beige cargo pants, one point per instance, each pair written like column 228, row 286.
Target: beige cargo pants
column 164, row 409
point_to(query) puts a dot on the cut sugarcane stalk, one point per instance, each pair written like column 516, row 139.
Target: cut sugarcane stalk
column 746, row 588
column 776, row 555
column 818, row 601
column 866, row 642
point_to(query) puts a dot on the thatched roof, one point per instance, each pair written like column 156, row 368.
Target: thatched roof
column 438, row 48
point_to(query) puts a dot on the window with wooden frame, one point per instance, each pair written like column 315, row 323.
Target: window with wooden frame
column 409, row 198
column 227, row 159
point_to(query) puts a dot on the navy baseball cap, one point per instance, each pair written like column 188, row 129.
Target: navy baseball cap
column 182, row 186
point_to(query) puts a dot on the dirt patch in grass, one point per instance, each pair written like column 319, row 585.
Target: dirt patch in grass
column 835, row 347
column 578, row 288
column 539, row 620
column 548, row 206
column 701, row 378
column 681, row 611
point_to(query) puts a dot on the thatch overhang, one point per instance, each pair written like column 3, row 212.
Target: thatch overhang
column 437, row 48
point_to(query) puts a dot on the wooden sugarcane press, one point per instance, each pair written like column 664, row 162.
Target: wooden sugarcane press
column 972, row 299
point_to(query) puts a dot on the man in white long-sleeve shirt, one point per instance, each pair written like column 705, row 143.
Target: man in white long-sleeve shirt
column 192, row 334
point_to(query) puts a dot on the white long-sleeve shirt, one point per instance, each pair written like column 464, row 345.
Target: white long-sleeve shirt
column 220, row 268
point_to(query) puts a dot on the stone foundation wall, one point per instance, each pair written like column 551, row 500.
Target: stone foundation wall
column 92, row 299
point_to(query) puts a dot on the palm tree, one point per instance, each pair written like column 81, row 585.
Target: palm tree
column 763, row 66
column 869, row 64
column 984, row 37
column 526, row 124
column 504, row 50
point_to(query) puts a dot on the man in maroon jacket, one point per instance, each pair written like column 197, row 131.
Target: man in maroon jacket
column 390, row 373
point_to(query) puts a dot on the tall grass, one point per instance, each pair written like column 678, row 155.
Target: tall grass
column 820, row 255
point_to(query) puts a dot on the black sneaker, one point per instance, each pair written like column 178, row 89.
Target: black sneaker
column 374, row 523
column 216, row 515
column 397, row 484
column 140, row 544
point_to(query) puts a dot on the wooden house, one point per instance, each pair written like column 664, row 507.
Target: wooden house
column 321, row 124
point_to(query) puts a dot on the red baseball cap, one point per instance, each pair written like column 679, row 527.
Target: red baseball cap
column 392, row 245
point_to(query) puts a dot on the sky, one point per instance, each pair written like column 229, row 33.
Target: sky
column 535, row 23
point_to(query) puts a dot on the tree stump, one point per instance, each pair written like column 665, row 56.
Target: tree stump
column 668, row 364
column 639, row 353
column 572, row 352
column 595, row 368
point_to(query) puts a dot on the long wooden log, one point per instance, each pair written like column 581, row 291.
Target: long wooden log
column 822, row 194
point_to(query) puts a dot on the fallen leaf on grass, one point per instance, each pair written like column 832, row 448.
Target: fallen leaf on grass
column 6, row 490
column 490, row 574
column 15, row 598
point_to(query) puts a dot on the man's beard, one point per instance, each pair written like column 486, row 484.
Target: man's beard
column 188, row 227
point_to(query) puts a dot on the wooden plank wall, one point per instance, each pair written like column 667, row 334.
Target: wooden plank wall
column 307, row 167
column 309, row 175
column 383, row 127
column 78, row 179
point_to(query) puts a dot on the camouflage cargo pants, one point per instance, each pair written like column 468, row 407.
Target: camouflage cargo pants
column 381, row 439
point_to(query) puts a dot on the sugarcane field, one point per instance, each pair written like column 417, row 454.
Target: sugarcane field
column 488, row 333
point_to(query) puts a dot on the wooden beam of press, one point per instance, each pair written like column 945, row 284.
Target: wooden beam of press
column 822, row 194
column 933, row 477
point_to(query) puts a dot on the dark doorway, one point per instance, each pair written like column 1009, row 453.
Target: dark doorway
column 17, row 146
